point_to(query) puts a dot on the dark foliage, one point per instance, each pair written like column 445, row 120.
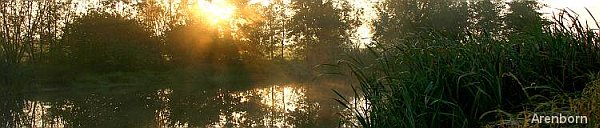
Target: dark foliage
column 104, row 42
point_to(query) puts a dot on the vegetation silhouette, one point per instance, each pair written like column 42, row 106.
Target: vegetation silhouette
column 473, row 68
column 429, row 63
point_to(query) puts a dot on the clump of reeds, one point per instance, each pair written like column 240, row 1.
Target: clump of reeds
column 446, row 83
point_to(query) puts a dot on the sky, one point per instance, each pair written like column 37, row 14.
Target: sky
column 576, row 5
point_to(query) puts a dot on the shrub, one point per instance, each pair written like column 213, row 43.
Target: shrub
column 437, row 82
column 105, row 42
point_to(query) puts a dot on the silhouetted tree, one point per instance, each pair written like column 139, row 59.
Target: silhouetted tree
column 486, row 18
column 408, row 20
column 524, row 22
column 320, row 31
column 103, row 42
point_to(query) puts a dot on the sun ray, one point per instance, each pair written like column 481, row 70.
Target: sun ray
column 216, row 11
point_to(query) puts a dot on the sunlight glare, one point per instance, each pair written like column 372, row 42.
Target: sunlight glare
column 216, row 10
column 261, row 2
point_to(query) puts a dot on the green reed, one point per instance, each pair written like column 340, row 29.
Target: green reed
column 436, row 82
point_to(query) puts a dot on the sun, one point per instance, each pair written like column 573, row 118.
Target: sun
column 216, row 11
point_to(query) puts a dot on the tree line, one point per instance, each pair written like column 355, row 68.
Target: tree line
column 150, row 35
column 453, row 60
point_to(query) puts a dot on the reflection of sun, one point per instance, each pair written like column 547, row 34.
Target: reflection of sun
column 261, row 2
column 216, row 10
column 279, row 101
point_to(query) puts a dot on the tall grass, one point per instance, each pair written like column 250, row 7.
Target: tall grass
column 447, row 83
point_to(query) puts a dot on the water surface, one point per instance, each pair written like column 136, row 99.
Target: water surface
column 283, row 105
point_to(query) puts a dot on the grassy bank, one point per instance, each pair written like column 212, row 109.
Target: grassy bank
column 439, row 82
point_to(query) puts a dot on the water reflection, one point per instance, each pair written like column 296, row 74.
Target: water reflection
column 283, row 107
column 35, row 114
column 358, row 106
column 163, row 113
column 271, row 106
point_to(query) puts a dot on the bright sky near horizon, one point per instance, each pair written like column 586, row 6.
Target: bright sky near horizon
column 576, row 5
column 365, row 32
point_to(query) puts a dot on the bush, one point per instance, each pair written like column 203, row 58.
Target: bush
column 589, row 103
column 437, row 82
column 105, row 42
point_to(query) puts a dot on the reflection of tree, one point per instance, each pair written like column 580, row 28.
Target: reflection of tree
column 174, row 107
column 195, row 107
column 11, row 110
column 105, row 109
column 305, row 116
column 110, row 110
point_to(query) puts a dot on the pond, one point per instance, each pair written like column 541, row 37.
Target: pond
column 285, row 105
